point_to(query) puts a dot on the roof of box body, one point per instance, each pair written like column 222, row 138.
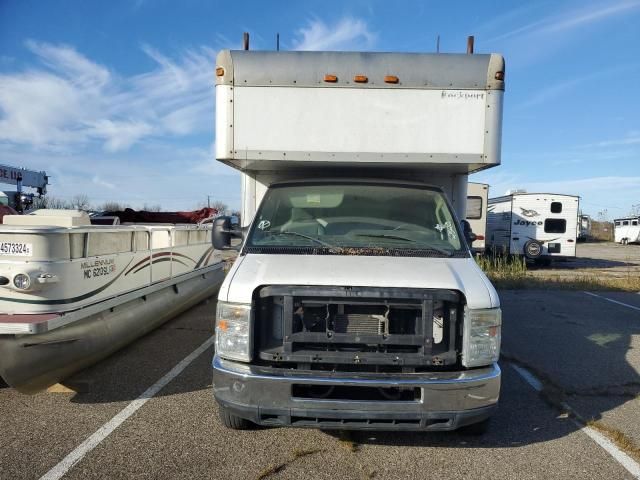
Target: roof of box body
column 308, row 69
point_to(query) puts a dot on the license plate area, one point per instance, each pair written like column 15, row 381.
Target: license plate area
column 16, row 249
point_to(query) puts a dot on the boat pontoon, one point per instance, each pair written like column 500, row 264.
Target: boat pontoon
column 72, row 293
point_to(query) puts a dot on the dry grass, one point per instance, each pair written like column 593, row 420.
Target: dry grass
column 623, row 442
column 511, row 273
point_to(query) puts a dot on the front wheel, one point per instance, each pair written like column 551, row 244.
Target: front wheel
column 232, row 421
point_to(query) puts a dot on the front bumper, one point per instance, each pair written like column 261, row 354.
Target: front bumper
column 448, row 400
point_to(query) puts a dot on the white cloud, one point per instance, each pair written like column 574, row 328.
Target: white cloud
column 615, row 193
column 632, row 138
column 69, row 101
column 570, row 20
column 102, row 183
column 70, row 64
column 585, row 186
column 551, row 92
column 118, row 135
column 347, row 34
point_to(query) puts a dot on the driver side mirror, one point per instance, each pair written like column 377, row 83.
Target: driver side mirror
column 222, row 233
column 469, row 236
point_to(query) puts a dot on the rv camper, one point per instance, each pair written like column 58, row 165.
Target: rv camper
column 627, row 230
column 477, row 197
column 584, row 228
column 354, row 301
column 540, row 226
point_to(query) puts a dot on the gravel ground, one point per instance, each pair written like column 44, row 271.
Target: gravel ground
column 576, row 341
column 602, row 258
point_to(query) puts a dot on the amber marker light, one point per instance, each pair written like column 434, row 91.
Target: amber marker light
column 500, row 75
column 223, row 325
column 219, row 72
column 391, row 79
column 330, row 78
column 360, row 79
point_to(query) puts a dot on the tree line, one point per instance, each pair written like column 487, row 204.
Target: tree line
column 82, row 202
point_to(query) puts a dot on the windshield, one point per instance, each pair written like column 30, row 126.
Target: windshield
column 343, row 216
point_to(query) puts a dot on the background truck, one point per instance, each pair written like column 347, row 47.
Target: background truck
column 538, row 226
column 21, row 177
column 476, row 215
column 584, row 228
column 355, row 302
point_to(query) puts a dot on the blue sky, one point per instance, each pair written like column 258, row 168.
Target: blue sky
column 115, row 99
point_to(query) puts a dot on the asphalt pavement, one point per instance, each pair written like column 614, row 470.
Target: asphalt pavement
column 583, row 347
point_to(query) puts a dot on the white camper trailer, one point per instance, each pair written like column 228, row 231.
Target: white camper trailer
column 477, row 198
column 584, row 228
column 627, row 230
column 355, row 301
column 540, row 226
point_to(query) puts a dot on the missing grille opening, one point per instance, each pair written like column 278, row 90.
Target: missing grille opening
column 353, row 393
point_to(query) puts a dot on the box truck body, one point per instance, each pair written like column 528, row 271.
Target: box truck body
column 354, row 301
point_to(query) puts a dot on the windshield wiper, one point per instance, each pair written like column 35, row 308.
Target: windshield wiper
column 296, row 234
column 448, row 253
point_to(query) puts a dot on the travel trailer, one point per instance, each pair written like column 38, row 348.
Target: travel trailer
column 584, row 228
column 477, row 197
column 627, row 230
column 72, row 293
column 538, row 226
column 354, row 302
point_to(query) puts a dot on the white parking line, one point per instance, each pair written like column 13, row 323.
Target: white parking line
column 619, row 456
column 613, row 301
column 105, row 430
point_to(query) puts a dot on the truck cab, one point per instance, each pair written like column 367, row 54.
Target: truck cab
column 355, row 302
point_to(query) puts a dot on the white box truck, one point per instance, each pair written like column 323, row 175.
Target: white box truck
column 476, row 215
column 354, row 302
column 538, row 226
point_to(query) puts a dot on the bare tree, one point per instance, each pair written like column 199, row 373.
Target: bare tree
column 80, row 202
column 112, row 206
column 152, row 208
column 220, row 206
column 51, row 202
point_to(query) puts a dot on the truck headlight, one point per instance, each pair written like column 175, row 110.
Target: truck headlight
column 233, row 331
column 482, row 332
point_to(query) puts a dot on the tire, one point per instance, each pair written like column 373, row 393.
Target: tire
column 232, row 421
column 476, row 429
column 532, row 249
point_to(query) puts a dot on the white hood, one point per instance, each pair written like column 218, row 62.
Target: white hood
column 462, row 274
